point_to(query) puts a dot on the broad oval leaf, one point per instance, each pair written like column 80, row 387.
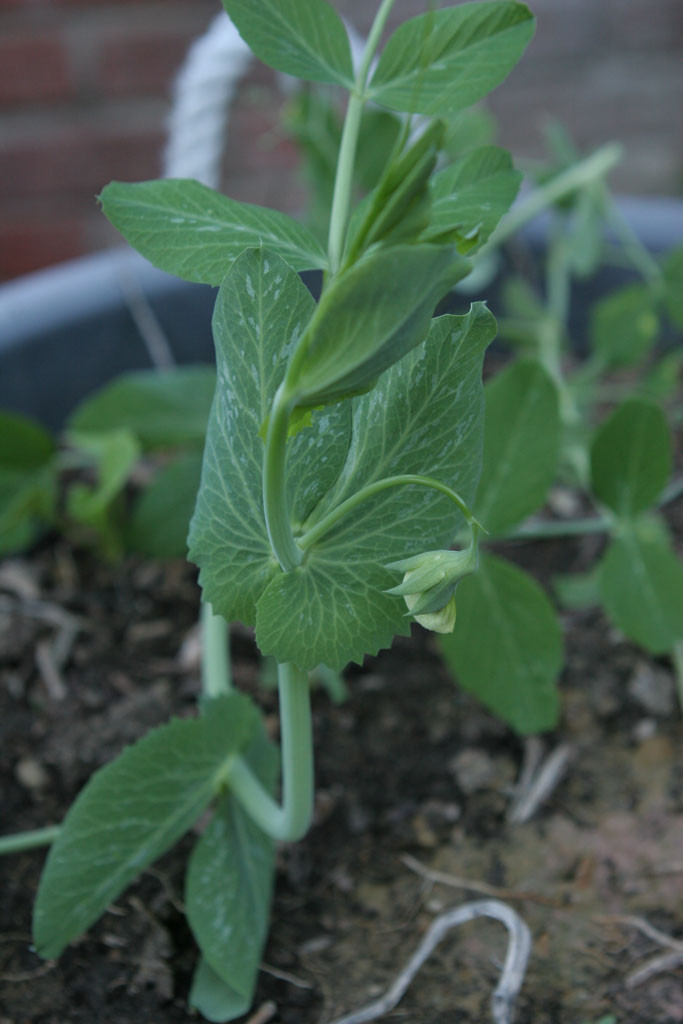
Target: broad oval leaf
column 163, row 408
column 215, row 999
column 192, row 231
column 261, row 312
column 624, row 326
column 28, row 481
column 424, row 416
column 631, row 457
column 641, row 585
column 370, row 317
column 507, row 645
column 305, row 38
column 521, row 445
column 470, row 197
column 228, row 891
column 442, row 61
column 131, row 811
column 161, row 516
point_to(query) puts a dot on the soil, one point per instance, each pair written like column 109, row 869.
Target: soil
column 410, row 772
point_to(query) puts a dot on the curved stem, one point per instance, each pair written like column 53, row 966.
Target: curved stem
column 216, row 675
column 592, row 168
column 28, row 840
column 290, row 820
column 347, row 151
column 274, row 493
column 333, row 517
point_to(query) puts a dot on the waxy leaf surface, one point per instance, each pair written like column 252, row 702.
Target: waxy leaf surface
column 192, row 231
column 442, row 61
column 261, row 311
column 471, row 196
column 507, row 645
column 305, row 38
column 371, row 316
column 521, row 443
column 227, row 897
column 424, row 416
column 641, row 585
column 163, row 408
column 130, row 812
column 631, row 457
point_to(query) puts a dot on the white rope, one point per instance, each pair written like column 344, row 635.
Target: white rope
column 511, row 978
column 203, row 92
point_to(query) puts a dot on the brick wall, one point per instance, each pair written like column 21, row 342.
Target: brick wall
column 84, row 88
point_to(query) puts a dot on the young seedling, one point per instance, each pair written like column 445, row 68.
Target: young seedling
column 342, row 459
column 342, row 450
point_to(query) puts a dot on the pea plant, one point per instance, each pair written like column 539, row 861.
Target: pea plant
column 348, row 477
column 342, row 451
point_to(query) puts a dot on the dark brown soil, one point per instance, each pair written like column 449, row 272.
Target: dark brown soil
column 408, row 766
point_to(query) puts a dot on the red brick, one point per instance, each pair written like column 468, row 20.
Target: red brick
column 27, row 245
column 77, row 162
column 33, row 69
column 144, row 63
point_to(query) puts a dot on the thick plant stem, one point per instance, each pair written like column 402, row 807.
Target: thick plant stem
column 20, row 841
column 343, row 183
column 333, row 517
column 274, row 492
column 290, row 820
column 216, row 676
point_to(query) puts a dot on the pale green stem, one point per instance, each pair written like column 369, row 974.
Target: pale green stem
column 343, row 183
column 592, row 168
column 20, row 841
column 274, row 491
column 290, row 820
column 333, row 517
column 560, row 528
column 216, row 676
column 673, row 491
column 639, row 256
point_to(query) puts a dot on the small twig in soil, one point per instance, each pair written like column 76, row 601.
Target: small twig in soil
column 292, row 979
column 264, row 1013
column 536, row 785
column 457, row 882
column 658, row 964
column 49, row 672
column 512, row 975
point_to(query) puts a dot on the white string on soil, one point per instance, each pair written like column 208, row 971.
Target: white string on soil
column 505, row 994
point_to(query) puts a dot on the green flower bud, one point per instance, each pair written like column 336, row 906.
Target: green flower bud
column 429, row 583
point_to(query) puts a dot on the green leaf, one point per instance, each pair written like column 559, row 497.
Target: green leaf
column 624, row 326
column 130, row 812
column 424, row 416
column 28, row 482
column 161, row 516
column 261, row 311
column 227, row 896
column 113, row 455
column 371, row 316
column 521, row 444
column 445, row 60
column 470, row 197
column 214, row 998
column 305, row 38
column 162, row 408
column 664, row 378
column 578, row 590
column 631, row 457
column 641, row 584
column 194, row 232
column 507, row 645
column 24, row 443
column 673, row 285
